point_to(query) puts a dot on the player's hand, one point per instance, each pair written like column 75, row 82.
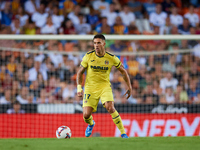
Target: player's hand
column 80, row 94
column 79, row 91
column 128, row 93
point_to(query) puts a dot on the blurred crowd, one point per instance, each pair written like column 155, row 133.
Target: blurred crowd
column 51, row 78
column 99, row 16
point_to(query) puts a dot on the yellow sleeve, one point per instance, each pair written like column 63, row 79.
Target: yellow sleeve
column 117, row 62
column 84, row 62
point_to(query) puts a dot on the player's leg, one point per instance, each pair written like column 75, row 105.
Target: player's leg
column 108, row 102
column 109, row 105
column 90, row 102
column 87, row 116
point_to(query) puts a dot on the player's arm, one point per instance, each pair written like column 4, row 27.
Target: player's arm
column 126, row 79
column 79, row 80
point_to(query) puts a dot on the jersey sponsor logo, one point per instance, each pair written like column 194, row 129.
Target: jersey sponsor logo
column 92, row 60
column 106, row 62
column 98, row 68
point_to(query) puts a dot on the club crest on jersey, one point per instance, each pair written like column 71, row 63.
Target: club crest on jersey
column 106, row 62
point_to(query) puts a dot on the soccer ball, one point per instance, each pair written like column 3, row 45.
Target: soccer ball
column 63, row 132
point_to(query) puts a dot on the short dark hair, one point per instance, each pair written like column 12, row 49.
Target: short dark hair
column 16, row 102
column 100, row 36
column 174, row 44
column 185, row 19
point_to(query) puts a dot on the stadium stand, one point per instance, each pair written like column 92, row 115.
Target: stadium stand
column 53, row 75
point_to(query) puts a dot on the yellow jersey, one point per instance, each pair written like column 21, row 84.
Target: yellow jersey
column 98, row 69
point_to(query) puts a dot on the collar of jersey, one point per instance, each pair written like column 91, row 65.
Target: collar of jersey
column 99, row 56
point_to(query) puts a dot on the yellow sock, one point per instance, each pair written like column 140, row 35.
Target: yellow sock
column 89, row 120
column 118, row 121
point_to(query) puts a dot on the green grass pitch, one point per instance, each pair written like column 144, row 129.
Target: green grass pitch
column 99, row 143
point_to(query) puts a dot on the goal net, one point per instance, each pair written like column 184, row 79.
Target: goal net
column 38, row 86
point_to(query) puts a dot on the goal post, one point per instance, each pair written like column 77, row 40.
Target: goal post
column 90, row 37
